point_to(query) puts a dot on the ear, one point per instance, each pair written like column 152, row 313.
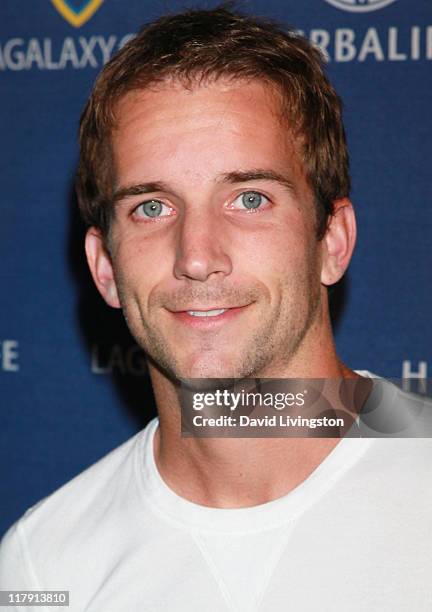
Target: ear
column 338, row 241
column 101, row 268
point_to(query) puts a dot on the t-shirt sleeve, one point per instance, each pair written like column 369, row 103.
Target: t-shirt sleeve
column 16, row 572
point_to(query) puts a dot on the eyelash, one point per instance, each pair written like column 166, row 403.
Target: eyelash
column 230, row 207
column 251, row 210
column 155, row 218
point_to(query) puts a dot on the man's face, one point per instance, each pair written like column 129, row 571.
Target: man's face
column 214, row 250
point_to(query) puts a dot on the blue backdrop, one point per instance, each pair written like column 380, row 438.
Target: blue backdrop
column 73, row 385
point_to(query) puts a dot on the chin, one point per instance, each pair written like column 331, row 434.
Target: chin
column 193, row 372
column 208, row 370
column 207, row 382
column 213, row 364
column 204, row 364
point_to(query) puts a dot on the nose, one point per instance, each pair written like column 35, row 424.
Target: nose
column 202, row 249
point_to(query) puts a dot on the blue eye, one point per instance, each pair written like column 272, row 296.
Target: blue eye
column 152, row 208
column 249, row 200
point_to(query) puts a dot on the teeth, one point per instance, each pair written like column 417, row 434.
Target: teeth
column 206, row 313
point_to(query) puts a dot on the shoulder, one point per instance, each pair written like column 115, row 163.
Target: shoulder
column 60, row 525
column 391, row 412
column 399, row 458
column 91, row 489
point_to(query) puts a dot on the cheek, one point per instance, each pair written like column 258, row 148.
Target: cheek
column 279, row 253
column 138, row 268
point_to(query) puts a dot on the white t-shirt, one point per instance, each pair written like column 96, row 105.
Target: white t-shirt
column 355, row 536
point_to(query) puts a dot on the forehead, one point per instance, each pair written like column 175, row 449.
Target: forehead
column 221, row 91
column 219, row 126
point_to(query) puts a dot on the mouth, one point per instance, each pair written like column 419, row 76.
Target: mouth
column 205, row 318
column 215, row 312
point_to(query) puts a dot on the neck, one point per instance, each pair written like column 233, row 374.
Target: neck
column 240, row 472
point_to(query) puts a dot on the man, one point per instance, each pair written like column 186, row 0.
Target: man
column 214, row 180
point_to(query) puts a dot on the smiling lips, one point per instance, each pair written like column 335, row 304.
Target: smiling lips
column 209, row 316
column 206, row 313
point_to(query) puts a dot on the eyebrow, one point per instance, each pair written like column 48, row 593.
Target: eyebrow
column 237, row 176
column 139, row 189
column 257, row 174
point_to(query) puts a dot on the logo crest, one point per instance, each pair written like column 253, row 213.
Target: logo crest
column 77, row 12
column 360, row 6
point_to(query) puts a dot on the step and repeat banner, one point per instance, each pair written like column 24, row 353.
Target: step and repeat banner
column 73, row 384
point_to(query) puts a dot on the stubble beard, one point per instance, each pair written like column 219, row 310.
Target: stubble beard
column 267, row 353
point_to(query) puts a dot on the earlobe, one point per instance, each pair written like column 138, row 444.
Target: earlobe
column 338, row 242
column 101, row 268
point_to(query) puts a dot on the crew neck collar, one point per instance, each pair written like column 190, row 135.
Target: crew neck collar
column 187, row 514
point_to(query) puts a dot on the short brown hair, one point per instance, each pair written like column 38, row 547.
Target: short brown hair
column 202, row 45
